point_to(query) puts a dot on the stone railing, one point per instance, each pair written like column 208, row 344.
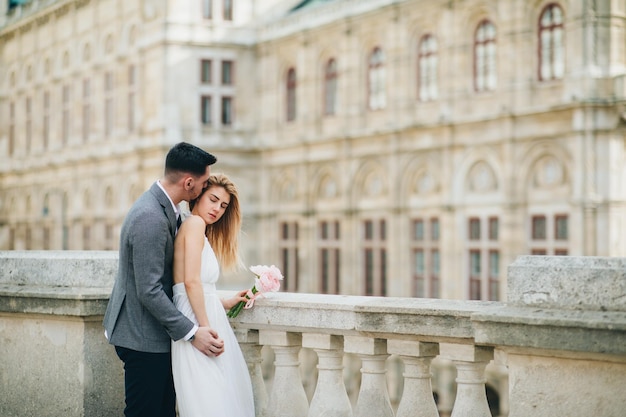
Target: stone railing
column 561, row 336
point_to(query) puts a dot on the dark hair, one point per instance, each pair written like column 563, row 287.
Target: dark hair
column 185, row 157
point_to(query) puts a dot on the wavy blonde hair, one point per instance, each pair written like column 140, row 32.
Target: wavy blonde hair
column 224, row 234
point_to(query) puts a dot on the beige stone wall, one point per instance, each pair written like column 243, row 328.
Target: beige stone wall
column 528, row 148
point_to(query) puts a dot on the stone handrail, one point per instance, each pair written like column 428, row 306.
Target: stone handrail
column 561, row 335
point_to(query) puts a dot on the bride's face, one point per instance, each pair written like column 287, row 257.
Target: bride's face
column 212, row 204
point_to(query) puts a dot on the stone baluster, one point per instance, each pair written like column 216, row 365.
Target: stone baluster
column 330, row 397
column 288, row 398
column 417, row 397
column 249, row 343
column 470, row 362
column 373, row 398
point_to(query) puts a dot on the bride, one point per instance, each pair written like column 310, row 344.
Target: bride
column 209, row 386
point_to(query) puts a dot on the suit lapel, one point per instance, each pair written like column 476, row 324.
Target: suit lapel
column 166, row 205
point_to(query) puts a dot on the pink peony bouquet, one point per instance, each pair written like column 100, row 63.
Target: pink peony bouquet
column 267, row 280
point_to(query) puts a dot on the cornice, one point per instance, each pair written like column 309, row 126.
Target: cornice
column 36, row 13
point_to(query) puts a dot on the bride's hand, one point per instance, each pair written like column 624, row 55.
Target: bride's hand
column 233, row 301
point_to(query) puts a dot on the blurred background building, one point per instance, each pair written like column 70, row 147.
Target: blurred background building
column 382, row 147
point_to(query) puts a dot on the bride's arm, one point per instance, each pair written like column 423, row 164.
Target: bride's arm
column 193, row 244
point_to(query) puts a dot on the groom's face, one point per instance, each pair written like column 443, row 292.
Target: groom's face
column 198, row 184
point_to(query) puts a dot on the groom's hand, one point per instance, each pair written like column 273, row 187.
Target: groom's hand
column 208, row 342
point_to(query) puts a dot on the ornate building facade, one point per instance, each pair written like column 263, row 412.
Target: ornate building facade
column 399, row 148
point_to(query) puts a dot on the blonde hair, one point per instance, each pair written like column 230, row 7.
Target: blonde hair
column 224, row 234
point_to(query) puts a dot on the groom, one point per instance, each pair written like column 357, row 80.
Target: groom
column 141, row 319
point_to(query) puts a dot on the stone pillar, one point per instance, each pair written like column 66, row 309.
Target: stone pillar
column 330, row 396
column 470, row 362
column 55, row 359
column 373, row 398
column 417, row 397
column 288, row 398
column 249, row 343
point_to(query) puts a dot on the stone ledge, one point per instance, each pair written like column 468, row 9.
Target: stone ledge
column 552, row 329
column 57, row 301
column 58, row 268
column 412, row 318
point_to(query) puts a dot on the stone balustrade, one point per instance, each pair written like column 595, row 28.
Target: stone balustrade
column 561, row 336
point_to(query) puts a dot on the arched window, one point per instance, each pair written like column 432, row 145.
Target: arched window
column 427, row 68
column 330, row 87
column 376, row 80
column 551, row 62
column 485, row 57
column 291, row 94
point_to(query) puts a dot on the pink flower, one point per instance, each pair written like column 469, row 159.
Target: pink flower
column 267, row 280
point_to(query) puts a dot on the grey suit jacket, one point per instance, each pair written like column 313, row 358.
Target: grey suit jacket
column 140, row 314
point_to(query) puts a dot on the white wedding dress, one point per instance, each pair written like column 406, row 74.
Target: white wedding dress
column 210, row 386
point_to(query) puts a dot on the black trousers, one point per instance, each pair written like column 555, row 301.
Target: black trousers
column 149, row 385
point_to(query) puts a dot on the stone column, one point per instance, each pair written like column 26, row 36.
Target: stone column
column 417, row 397
column 249, row 343
column 330, row 398
column 470, row 362
column 373, row 398
column 288, row 398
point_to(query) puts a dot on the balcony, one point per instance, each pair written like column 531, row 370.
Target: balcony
column 561, row 337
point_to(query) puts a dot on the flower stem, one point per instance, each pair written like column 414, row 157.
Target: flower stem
column 233, row 312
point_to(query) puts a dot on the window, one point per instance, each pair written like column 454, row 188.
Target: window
column 474, row 274
column 474, row 229
column 46, row 120
column 560, row 227
column 28, row 128
column 207, row 9
column 493, row 228
column 86, row 109
column 86, row 237
column 291, row 94
column 288, row 246
column 11, row 128
column 434, row 229
column 549, row 234
column 28, row 238
column 228, row 9
column 377, row 98
column 427, row 68
column 494, row 275
column 205, row 110
column 206, row 73
column 539, row 227
column 485, row 57
column 330, row 87
column 483, row 251
column 329, row 257
column 227, row 73
column 132, row 97
column 65, row 114
column 108, row 237
column 374, row 257
column 108, row 103
column 425, row 251
column 46, row 238
column 551, row 61
column 418, row 229
column 227, row 111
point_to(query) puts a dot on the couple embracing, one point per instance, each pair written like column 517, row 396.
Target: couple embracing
column 164, row 317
